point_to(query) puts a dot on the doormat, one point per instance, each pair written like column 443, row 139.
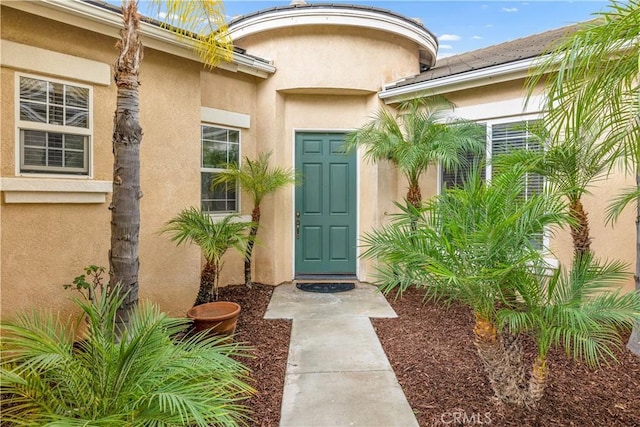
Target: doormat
column 326, row 288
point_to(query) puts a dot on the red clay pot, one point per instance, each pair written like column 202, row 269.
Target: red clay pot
column 219, row 317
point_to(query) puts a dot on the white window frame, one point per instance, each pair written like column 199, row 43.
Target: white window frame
column 214, row 170
column 21, row 125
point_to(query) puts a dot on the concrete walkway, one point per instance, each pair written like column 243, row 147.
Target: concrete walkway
column 337, row 373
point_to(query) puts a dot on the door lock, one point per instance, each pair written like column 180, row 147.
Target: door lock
column 297, row 225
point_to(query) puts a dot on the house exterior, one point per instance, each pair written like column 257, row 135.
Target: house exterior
column 301, row 77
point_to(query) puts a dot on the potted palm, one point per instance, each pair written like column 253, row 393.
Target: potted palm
column 214, row 237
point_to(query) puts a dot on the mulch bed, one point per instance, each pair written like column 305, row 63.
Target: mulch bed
column 431, row 351
column 270, row 342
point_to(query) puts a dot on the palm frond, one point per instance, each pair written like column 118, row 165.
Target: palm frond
column 202, row 23
column 418, row 136
column 620, row 202
column 594, row 76
column 257, row 177
column 213, row 236
column 580, row 309
column 148, row 376
column 472, row 243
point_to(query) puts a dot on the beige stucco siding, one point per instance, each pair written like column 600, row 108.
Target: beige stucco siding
column 45, row 245
column 334, row 57
column 327, row 79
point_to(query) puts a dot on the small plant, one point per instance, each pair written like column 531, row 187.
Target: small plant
column 143, row 376
column 89, row 290
column 419, row 136
column 214, row 237
column 257, row 179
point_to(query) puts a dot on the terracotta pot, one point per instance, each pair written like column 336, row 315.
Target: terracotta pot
column 219, row 317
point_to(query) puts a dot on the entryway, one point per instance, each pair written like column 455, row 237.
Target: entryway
column 326, row 207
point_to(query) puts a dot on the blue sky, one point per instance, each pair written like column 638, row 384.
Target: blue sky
column 462, row 26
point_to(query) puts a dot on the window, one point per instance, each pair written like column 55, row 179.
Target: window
column 502, row 138
column 54, row 126
column 455, row 178
column 220, row 147
column 507, row 137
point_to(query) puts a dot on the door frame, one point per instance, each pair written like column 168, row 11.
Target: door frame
column 294, row 132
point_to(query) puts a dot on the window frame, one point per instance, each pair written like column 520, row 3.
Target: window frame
column 25, row 125
column 214, row 170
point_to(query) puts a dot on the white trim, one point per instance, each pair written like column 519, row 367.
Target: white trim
column 217, row 217
column 35, row 59
column 214, row 170
column 224, row 117
column 324, row 16
column 28, row 125
column 470, row 79
column 48, row 190
column 99, row 20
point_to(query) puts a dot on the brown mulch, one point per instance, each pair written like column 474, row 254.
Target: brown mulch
column 431, row 351
column 270, row 342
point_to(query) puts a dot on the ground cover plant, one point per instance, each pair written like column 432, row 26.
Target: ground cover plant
column 141, row 376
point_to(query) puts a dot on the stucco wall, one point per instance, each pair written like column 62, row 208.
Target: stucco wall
column 46, row 245
column 327, row 79
column 334, row 57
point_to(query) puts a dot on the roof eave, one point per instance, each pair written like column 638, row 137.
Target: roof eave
column 326, row 15
column 103, row 21
column 476, row 78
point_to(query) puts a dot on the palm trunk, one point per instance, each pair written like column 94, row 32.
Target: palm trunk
column 208, row 282
column 502, row 360
column 255, row 218
column 414, row 196
column 634, row 341
column 538, row 380
column 127, row 135
column 579, row 230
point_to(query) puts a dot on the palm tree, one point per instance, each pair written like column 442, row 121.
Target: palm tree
column 472, row 244
column 592, row 77
column 214, row 237
column 575, row 309
column 200, row 22
column 258, row 179
column 570, row 164
column 149, row 377
column 419, row 136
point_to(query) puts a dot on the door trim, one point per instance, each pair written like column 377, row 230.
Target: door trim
column 295, row 131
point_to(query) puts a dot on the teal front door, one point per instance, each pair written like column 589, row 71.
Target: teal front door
column 325, row 217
